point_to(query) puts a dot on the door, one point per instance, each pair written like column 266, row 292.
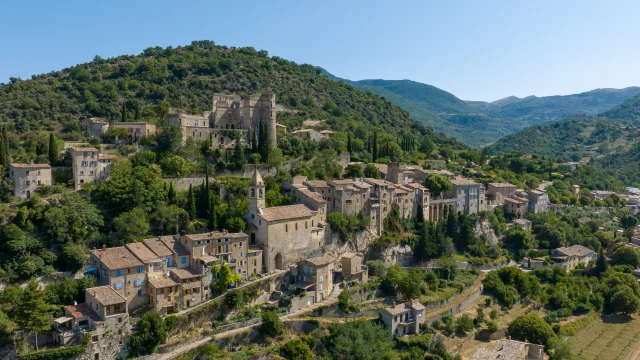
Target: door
column 320, row 297
column 310, row 300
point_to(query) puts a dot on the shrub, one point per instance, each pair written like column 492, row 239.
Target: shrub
column 271, row 325
column 464, row 324
column 492, row 326
column 296, row 350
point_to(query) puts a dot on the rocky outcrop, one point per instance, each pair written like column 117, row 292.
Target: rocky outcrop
column 483, row 227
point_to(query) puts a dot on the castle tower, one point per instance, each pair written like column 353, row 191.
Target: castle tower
column 256, row 193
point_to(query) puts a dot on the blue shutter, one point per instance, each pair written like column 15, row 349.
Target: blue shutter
column 168, row 262
column 184, row 259
column 117, row 272
column 139, row 292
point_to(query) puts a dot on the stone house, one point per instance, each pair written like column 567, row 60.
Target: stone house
column 404, row 319
column 136, row 130
column 121, row 269
column 199, row 128
column 600, row 194
column 235, row 112
column 349, row 197
column 164, row 293
column 523, row 223
column 190, row 282
column 27, row 178
column 353, row 269
column 568, row 166
column 538, row 201
column 467, row 195
column 571, row 256
column 308, row 135
column 284, row 233
column 315, row 276
column 516, row 205
column 88, row 165
column 510, row 350
column 380, row 199
column 575, row 189
column 104, row 316
column 421, row 199
column 497, row 192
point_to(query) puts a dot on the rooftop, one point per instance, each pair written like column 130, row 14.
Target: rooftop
column 107, row 156
column 80, row 310
column 316, row 183
column 400, row 308
column 117, row 258
column 106, row 295
column 83, row 149
column 320, row 261
column 173, row 245
column 285, row 212
column 460, row 181
column 159, row 282
column 216, row 235
column 30, row 166
column 185, row 273
column 575, row 250
column 502, row 185
column 142, row 252
column 506, row 350
column 313, row 195
column 158, row 247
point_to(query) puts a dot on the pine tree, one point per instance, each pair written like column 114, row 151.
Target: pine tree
column 191, row 204
column 374, row 147
column 32, row 312
column 349, row 145
column 601, row 263
column 123, row 114
column 53, row 150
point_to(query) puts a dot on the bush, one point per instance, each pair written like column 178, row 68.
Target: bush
column 271, row 325
column 296, row 350
column 492, row 326
column 464, row 324
column 59, row 353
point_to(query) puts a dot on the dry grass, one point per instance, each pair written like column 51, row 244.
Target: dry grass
column 609, row 338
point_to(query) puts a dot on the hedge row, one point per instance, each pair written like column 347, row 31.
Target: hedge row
column 59, row 353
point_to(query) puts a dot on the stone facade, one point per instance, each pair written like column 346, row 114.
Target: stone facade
column 467, row 195
column 89, row 166
column 315, row 276
column 497, row 192
column 353, row 269
column 403, row 319
column 27, row 178
column 137, row 130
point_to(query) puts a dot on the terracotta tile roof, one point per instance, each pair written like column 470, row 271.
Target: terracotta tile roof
column 461, row 181
column 186, row 273
column 30, row 166
column 313, row 195
column 378, row 182
column 415, row 186
column 383, row 168
column 174, row 245
column 395, row 310
column 80, row 310
column 216, row 235
column 142, row 252
column 575, row 250
column 502, row 185
column 117, row 258
column 341, row 182
column 107, row 157
column 158, row 247
column 285, row 212
column 316, row 183
column 320, row 261
column 159, row 282
column 83, row 149
column 106, row 295
column 99, row 120
column 349, row 255
column 445, row 173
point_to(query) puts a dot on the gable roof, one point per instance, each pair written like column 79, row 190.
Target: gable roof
column 117, row 258
column 173, row 245
column 142, row 252
column 285, row 212
column 83, row 149
column 30, row 166
column 320, row 261
column 106, row 295
column 575, row 250
column 158, row 247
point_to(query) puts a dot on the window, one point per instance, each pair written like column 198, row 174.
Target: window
column 286, row 228
column 140, row 270
column 183, row 260
column 296, row 226
column 81, row 172
column 139, row 292
column 94, row 339
column 241, row 253
column 117, row 272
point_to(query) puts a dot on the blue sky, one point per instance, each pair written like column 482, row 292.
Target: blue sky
column 477, row 50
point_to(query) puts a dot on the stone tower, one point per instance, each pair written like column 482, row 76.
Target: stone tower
column 256, row 193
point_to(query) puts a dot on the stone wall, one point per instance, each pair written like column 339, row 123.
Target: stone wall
column 458, row 308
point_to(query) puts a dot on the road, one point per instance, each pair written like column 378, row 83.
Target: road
column 332, row 299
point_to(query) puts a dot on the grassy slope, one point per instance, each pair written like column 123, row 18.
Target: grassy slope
column 187, row 77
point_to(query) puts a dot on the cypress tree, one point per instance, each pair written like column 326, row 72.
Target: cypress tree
column 171, row 194
column 238, row 155
column 419, row 217
column 601, row 263
column 374, row 147
column 5, row 141
column 123, row 114
column 212, row 216
column 3, row 153
column 138, row 113
column 452, row 225
column 53, row 150
column 349, row 145
column 254, row 143
column 191, row 204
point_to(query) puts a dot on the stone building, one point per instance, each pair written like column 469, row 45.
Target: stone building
column 510, row 350
column 538, row 201
column 309, row 135
column 497, row 192
column 103, row 316
column 121, row 269
column 315, row 276
column 467, row 195
column 404, row 319
column 284, row 233
column 136, row 130
column 27, row 178
column 571, row 256
column 353, row 269
column 568, row 166
column 89, row 166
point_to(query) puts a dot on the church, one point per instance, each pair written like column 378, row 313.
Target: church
column 288, row 233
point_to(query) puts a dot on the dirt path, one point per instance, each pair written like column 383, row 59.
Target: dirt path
column 332, row 299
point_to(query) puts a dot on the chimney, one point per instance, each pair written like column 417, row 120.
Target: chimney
column 75, row 303
column 104, row 247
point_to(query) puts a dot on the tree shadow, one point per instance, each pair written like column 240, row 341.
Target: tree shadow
column 616, row 318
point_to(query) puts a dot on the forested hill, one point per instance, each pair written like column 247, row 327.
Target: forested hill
column 186, row 77
column 610, row 140
column 479, row 123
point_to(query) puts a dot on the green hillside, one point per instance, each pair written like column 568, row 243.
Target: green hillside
column 611, row 140
column 479, row 123
column 186, row 77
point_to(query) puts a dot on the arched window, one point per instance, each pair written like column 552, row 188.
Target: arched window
column 253, row 193
column 260, row 192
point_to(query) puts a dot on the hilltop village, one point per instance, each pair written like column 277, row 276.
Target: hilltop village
column 176, row 233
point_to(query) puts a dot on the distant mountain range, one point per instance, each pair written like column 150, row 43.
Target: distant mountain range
column 480, row 123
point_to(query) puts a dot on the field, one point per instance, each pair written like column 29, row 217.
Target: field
column 609, row 338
